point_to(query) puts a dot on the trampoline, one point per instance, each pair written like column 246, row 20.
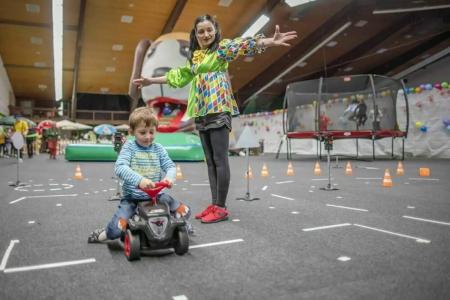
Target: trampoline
column 350, row 107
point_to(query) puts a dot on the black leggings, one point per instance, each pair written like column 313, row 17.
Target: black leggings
column 215, row 145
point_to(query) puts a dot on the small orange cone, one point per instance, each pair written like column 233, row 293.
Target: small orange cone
column 179, row 175
column 348, row 169
column 264, row 171
column 424, row 172
column 317, row 169
column 400, row 170
column 249, row 173
column 387, row 180
column 78, row 175
column 290, row 170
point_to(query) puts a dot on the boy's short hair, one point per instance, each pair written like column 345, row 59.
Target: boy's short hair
column 142, row 114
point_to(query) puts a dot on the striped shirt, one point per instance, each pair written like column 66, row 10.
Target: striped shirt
column 136, row 162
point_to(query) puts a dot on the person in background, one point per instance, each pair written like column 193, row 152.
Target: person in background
column 2, row 141
column 21, row 127
column 30, row 139
column 211, row 101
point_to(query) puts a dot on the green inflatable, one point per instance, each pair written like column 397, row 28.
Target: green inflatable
column 180, row 146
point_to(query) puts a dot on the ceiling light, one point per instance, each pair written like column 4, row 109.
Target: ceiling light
column 114, row 58
column 382, row 50
column 302, row 64
column 57, row 14
column 38, row 52
column 40, row 64
column 348, row 69
column 131, row 5
column 257, row 26
column 126, row 19
column 407, row 36
column 117, row 47
column 42, row 87
column 36, row 40
column 293, row 3
column 110, row 69
column 104, row 90
column 33, row 8
column 347, row 78
column 332, row 44
column 225, row 3
column 361, row 23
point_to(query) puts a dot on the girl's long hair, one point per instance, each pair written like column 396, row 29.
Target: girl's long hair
column 193, row 43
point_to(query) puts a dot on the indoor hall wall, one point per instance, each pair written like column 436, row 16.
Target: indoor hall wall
column 5, row 90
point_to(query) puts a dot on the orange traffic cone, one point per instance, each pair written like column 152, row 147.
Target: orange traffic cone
column 78, row 175
column 264, row 171
column 424, row 172
column 249, row 173
column 290, row 170
column 179, row 175
column 317, row 169
column 348, row 169
column 400, row 170
column 387, row 180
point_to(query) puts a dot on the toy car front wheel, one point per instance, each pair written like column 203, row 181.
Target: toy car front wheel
column 181, row 245
column 132, row 246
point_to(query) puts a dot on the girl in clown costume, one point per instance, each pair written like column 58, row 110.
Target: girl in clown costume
column 211, row 102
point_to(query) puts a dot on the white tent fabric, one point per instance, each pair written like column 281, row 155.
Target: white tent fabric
column 69, row 125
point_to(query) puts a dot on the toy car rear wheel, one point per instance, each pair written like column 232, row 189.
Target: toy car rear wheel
column 132, row 246
column 181, row 245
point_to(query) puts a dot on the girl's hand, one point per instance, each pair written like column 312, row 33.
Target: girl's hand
column 141, row 82
column 280, row 38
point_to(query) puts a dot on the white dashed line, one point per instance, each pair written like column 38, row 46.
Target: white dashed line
column 287, row 198
column 7, row 253
column 347, row 207
column 344, row 258
column 427, row 220
column 49, row 266
column 326, row 227
column 283, row 182
column 417, row 239
column 264, row 188
column 216, row 243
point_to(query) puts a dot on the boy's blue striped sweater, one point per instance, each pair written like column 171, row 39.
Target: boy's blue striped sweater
column 135, row 162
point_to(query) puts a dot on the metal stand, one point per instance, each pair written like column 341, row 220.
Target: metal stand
column 247, row 194
column 17, row 183
column 328, row 142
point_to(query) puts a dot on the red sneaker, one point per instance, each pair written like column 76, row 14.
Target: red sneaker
column 217, row 214
column 204, row 212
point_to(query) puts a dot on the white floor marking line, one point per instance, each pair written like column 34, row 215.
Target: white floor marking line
column 417, row 239
column 294, row 212
column 411, row 207
column 50, row 266
column 311, row 191
column 344, row 258
column 53, row 184
column 347, row 207
column 31, row 222
column 58, row 204
column 38, row 190
column 180, row 297
column 271, row 207
column 369, row 168
column 42, row 196
column 287, row 198
column 200, row 184
column 264, row 188
column 235, row 220
column 427, row 220
column 368, row 178
column 17, row 200
column 216, row 244
column 7, row 253
column 429, row 179
column 339, row 197
column 283, row 182
column 319, row 179
column 326, row 227
column 56, row 189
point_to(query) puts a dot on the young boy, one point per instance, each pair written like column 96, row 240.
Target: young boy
column 140, row 164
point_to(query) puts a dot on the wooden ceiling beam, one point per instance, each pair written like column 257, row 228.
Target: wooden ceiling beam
column 411, row 54
column 34, row 24
column 295, row 53
column 360, row 50
column 174, row 15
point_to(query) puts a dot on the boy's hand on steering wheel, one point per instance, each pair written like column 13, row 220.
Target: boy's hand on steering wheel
column 168, row 181
column 146, row 184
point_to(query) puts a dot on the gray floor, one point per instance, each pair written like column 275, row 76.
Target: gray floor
column 273, row 252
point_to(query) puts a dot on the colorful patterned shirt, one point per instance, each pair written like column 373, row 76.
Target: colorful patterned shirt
column 210, row 90
column 136, row 162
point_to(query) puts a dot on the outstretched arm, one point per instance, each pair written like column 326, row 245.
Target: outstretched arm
column 278, row 39
column 143, row 81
